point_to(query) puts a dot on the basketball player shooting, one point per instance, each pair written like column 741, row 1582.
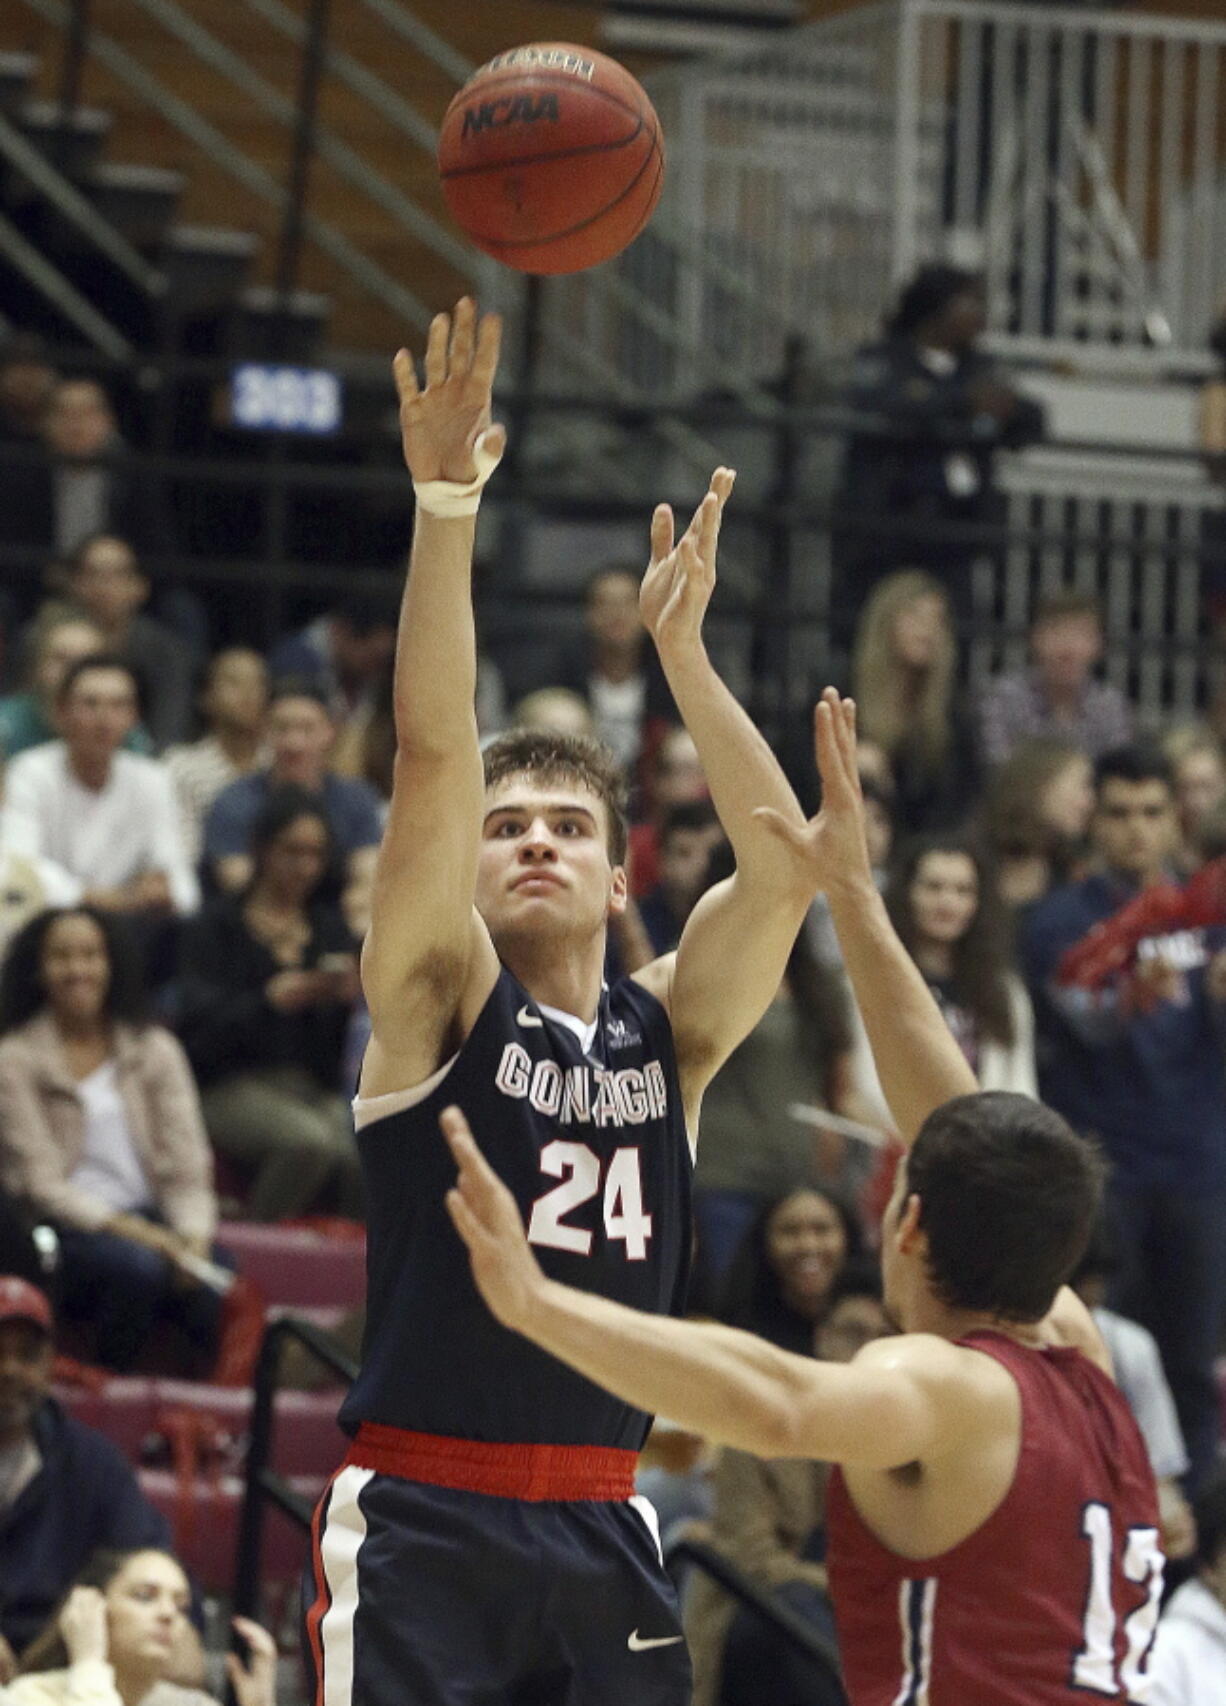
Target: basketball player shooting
column 482, row 1542
column 993, row 1524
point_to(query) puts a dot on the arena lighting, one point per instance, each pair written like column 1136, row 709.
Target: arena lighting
column 270, row 398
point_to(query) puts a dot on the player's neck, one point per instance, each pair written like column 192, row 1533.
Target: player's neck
column 929, row 1315
column 569, row 979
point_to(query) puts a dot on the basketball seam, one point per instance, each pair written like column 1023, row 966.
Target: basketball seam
column 573, row 230
column 544, row 159
column 559, row 78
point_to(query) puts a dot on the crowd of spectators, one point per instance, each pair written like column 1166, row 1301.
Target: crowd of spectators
column 186, row 847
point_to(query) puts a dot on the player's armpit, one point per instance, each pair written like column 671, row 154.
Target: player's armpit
column 423, row 1008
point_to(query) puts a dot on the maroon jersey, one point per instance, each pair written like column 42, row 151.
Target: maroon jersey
column 1052, row 1601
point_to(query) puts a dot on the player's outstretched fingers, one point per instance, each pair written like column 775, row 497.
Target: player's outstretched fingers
column 663, row 530
column 404, row 371
column 436, row 349
column 722, row 482
column 489, row 346
column 463, row 338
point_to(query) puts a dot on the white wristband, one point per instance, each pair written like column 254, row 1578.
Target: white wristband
column 450, row 498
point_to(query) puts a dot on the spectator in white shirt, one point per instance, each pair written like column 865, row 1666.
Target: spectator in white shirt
column 106, row 817
column 1187, row 1666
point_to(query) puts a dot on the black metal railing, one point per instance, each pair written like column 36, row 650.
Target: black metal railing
column 788, row 1624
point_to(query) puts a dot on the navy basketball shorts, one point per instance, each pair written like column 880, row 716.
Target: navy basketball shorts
column 432, row 1595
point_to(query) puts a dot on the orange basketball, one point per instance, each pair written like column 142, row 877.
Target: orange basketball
column 551, row 158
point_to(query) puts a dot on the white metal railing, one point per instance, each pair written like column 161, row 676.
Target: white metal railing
column 1078, row 155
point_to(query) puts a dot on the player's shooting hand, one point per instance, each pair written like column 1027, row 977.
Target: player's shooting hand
column 487, row 1218
column 440, row 425
column 680, row 578
column 832, row 846
column 255, row 1683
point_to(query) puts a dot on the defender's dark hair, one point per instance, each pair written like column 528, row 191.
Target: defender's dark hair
column 1009, row 1195
column 1209, row 1508
column 981, row 957
column 930, row 291
column 1142, row 761
column 22, row 994
column 551, row 758
column 48, row 1650
column 100, row 660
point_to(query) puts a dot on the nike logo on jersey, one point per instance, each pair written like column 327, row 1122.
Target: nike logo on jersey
column 526, row 1017
column 637, row 1644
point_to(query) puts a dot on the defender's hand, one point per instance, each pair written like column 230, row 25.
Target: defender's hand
column 487, row 1218
column 832, row 846
column 440, row 425
column 680, row 578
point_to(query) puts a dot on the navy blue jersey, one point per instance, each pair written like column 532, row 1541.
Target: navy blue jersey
column 593, row 1145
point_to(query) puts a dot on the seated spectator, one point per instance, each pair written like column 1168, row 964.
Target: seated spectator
column 942, row 903
column 1035, row 819
column 234, row 704
column 84, row 487
column 903, row 683
column 614, row 669
column 675, row 777
column 689, row 835
column 1058, row 696
column 784, row 1274
column 348, row 650
column 27, row 380
column 558, row 709
column 67, row 1490
column 106, row 817
column 1187, row 1664
column 768, row 1520
column 1199, row 768
column 55, row 642
column 1139, row 1063
column 101, row 1133
column 268, row 980
column 105, row 583
column 300, row 735
column 114, row 1641
column 1137, row 1366
column 936, row 410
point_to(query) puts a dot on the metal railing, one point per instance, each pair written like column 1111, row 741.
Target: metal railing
column 1078, row 155
column 262, row 1485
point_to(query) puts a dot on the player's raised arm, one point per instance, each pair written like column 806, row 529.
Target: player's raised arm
column 749, row 922
column 919, row 1063
column 424, row 935
column 898, row 1404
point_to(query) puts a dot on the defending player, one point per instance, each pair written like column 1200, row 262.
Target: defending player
column 481, row 1542
column 993, row 1527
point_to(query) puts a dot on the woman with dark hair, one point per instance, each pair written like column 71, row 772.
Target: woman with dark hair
column 789, row 1262
column 943, row 903
column 101, row 1134
column 114, row 1640
column 268, row 979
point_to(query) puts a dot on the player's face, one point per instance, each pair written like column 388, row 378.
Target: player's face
column 944, row 896
column 544, row 860
column 806, row 1245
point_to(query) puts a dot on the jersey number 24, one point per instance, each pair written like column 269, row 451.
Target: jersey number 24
column 578, row 1167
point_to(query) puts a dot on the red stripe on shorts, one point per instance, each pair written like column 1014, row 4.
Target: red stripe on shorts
column 323, row 1596
column 530, row 1472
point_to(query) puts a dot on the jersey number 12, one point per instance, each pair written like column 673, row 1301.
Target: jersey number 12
column 1094, row 1667
column 578, row 1167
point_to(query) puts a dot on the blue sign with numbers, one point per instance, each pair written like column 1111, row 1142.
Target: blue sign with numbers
column 285, row 399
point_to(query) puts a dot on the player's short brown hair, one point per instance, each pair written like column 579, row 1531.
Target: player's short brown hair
column 552, row 758
column 1009, row 1195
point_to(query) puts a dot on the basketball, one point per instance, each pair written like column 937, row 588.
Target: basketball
column 551, row 158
